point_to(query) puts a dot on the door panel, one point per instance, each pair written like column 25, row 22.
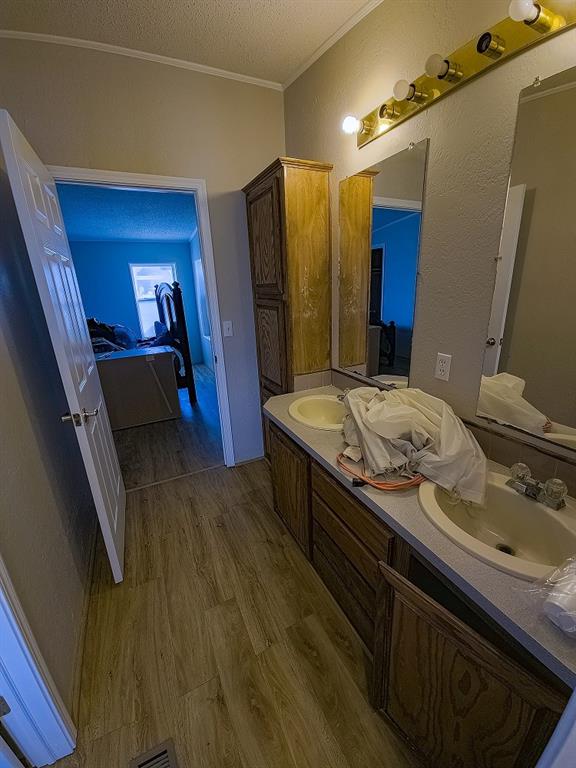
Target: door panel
column 291, row 483
column 271, row 343
column 265, row 238
column 455, row 696
column 47, row 244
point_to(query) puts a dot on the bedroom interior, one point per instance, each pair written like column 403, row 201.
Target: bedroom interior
column 138, row 261
column 287, row 437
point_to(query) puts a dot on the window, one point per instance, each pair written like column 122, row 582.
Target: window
column 144, row 278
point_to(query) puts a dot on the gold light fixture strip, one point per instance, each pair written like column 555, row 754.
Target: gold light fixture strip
column 445, row 73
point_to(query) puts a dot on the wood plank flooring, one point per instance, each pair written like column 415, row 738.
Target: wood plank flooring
column 168, row 449
column 223, row 638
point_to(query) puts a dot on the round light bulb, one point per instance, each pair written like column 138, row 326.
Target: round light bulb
column 436, row 65
column 351, row 125
column 402, row 90
column 523, row 10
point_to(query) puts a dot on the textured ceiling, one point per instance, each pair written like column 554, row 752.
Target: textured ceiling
column 268, row 39
column 104, row 213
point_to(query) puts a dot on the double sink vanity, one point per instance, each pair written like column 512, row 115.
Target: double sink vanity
column 464, row 664
column 458, row 644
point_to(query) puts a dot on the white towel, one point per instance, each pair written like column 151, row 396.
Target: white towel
column 410, row 431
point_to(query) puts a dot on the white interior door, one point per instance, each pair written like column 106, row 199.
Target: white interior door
column 41, row 220
column 504, row 272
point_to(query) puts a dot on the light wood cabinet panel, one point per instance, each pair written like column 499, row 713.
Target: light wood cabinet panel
column 288, row 209
column 460, row 700
column 290, row 467
column 307, row 198
column 355, row 215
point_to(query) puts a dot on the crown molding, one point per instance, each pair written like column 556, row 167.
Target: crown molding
column 346, row 27
column 135, row 54
column 75, row 42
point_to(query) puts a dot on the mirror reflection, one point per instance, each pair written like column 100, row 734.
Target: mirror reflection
column 380, row 221
column 529, row 376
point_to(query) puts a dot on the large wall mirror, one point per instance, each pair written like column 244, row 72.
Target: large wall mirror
column 380, row 212
column 529, row 378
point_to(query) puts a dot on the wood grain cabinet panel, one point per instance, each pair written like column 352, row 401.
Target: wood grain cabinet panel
column 264, row 223
column 290, row 467
column 456, row 697
column 348, row 543
column 271, row 343
column 288, row 209
column 355, row 214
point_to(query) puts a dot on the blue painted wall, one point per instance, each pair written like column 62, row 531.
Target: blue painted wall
column 202, row 302
column 400, row 240
column 105, row 282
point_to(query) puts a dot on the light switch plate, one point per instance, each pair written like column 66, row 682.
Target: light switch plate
column 443, row 363
column 227, row 328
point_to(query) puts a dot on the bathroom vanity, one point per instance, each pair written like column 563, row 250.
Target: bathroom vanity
column 463, row 663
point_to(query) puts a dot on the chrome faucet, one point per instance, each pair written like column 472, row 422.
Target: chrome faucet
column 343, row 395
column 552, row 493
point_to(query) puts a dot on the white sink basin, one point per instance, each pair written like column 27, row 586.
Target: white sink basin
column 513, row 533
column 319, row 411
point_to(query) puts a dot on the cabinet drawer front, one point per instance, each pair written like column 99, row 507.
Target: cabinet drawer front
column 359, row 619
column 359, row 588
column 375, row 535
column 456, row 697
column 351, row 547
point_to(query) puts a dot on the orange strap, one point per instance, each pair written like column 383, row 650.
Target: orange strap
column 401, row 485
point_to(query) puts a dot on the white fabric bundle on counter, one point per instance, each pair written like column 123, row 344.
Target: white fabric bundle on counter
column 560, row 603
column 501, row 398
column 410, row 431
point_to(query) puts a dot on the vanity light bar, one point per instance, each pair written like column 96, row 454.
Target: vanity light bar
column 529, row 23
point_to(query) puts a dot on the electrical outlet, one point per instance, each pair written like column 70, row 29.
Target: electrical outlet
column 443, row 366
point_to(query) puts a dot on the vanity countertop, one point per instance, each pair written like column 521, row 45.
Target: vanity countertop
column 503, row 597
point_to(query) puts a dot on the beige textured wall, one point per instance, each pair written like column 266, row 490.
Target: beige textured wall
column 97, row 110
column 539, row 335
column 47, row 518
column 471, row 134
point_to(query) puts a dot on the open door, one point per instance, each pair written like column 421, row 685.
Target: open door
column 47, row 244
column 504, row 272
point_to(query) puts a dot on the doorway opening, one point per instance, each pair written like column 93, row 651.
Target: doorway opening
column 142, row 252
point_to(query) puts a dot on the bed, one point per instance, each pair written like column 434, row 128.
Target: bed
column 171, row 314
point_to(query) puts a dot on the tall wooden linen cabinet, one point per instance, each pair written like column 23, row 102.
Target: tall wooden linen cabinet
column 288, row 207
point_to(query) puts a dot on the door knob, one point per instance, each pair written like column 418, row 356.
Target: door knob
column 88, row 414
column 75, row 418
column 491, row 342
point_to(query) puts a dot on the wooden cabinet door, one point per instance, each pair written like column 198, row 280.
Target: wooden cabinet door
column 291, row 483
column 264, row 226
column 457, row 698
column 271, row 344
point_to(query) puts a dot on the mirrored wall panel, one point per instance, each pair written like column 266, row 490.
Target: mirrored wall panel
column 529, row 376
column 380, row 212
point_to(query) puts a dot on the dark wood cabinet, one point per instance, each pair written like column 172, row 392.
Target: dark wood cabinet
column 348, row 543
column 290, row 467
column 458, row 698
column 452, row 681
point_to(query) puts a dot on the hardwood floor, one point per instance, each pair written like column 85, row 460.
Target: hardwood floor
column 167, row 449
column 223, row 638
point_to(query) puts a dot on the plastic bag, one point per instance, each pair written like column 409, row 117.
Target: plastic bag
column 559, row 591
